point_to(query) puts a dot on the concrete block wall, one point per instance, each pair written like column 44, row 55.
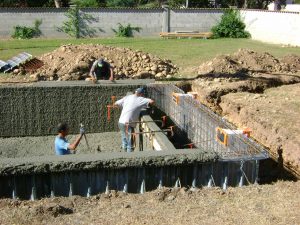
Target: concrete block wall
column 36, row 110
column 152, row 21
column 194, row 19
column 268, row 26
column 106, row 19
column 103, row 20
column 51, row 19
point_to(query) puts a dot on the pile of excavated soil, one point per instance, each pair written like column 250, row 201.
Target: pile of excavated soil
column 210, row 90
column 73, row 62
column 247, row 61
column 255, row 204
column 292, row 60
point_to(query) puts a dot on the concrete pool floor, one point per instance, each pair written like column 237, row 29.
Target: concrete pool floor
column 16, row 147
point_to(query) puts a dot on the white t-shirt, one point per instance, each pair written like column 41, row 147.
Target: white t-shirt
column 132, row 106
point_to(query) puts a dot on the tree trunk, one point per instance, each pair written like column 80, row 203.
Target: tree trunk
column 160, row 2
column 57, row 3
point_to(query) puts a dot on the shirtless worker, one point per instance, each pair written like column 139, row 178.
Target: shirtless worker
column 62, row 146
column 101, row 70
column 131, row 108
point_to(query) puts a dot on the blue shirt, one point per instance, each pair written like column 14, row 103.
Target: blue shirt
column 61, row 146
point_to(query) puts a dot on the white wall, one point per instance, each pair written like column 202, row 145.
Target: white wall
column 273, row 27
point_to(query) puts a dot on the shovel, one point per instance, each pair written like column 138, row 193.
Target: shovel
column 86, row 141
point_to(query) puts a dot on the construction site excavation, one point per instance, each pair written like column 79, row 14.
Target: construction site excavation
column 149, row 112
column 183, row 142
column 179, row 142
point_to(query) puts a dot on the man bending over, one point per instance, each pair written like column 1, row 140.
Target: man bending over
column 132, row 106
column 101, row 70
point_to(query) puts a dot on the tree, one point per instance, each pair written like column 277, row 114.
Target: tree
column 85, row 3
column 121, row 3
column 176, row 3
column 77, row 24
column 57, row 3
column 254, row 4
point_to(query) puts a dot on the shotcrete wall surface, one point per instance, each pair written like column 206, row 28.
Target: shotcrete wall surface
column 36, row 109
column 110, row 160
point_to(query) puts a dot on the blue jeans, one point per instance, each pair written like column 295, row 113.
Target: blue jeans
column 127, row 140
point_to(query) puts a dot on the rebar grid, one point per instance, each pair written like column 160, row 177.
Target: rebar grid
column 200, row 123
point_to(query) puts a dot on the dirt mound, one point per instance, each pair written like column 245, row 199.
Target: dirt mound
column 292, row 60
column 73, row 62
column 245, row 61
column 220, row 65
column 260, row 62
column 210, row 90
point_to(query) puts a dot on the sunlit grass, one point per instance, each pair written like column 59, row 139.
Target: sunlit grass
column 185, row 53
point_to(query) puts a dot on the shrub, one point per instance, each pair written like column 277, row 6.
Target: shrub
column 125, row 31
column 23, row 32
column 76, row 25
column 231, row 25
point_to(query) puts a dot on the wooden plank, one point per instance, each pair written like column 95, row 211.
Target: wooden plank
column 188, row 35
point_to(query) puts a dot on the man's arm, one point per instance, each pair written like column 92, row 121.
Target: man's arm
column 93, row 70
column 151, row 102
column 119, row 102
column 75, row 143
column 111, row 73
column 147, row 102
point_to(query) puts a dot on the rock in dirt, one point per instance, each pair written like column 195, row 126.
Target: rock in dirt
column 52, row 210
column 292, row 60
column 73, row 62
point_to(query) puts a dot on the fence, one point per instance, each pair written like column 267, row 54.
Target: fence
column 260, row 23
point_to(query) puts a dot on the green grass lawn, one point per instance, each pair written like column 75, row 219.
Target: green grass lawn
column 185, row 53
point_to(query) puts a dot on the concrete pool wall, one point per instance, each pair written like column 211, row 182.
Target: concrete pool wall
column 36, row 109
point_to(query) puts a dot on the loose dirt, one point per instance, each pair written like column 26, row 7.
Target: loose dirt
column 247, row 61
column 292, row 60
column 261, row 92
column 264, row 204
column 73, row 62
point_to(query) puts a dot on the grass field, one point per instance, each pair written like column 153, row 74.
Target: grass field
column 186, row 53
